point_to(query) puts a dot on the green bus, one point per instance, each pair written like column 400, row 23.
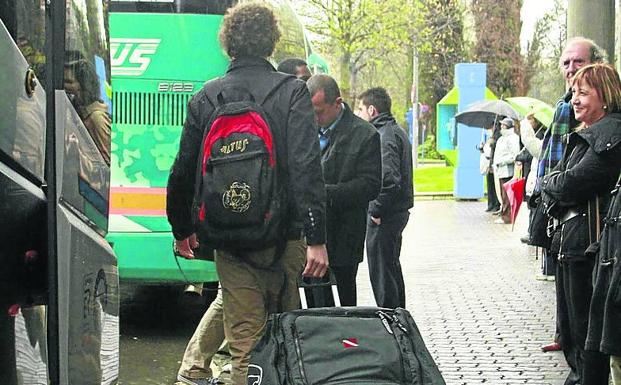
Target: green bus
column 162, row 51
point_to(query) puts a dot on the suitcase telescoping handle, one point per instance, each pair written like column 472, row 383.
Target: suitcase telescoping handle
column 310, row 283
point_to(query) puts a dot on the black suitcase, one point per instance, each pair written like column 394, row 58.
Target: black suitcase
column 344, row 346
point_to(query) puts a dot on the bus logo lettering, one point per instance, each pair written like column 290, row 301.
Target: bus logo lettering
column 131, row 57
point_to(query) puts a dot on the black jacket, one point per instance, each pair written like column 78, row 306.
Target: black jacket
column 291, row 117
column 589, row 168
column 352, row 168
column 605, row 316
column 397, row 193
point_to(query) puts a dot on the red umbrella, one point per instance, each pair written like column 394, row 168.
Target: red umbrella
column 515, row 193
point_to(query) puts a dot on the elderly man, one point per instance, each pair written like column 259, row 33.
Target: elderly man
column 352, row 169
column 585, row 365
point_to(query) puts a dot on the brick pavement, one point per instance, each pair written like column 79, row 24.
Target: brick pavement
column 471, row 289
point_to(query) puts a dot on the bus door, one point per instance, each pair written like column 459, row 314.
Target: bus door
column 59, row 320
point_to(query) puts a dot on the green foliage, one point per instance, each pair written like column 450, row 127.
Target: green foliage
column 428, row 149
column 497, row 24
column 546, row 82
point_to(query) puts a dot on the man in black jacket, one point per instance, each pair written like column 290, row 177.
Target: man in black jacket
column 251, row 283
column 352, row 169
column 388, row 213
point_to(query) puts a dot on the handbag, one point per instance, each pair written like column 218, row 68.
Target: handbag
column 539, row 234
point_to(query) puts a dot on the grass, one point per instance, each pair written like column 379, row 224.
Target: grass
column 433, row 179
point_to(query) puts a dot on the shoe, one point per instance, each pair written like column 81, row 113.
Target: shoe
column 525, row 239
column 500, row 221
column 553, row 347
column 497, row 212
column 198, row 381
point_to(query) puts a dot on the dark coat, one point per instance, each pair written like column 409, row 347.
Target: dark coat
column 352, row 169
column 589, row 168
column 397, row 193
column 291, row 118
column 605, row 316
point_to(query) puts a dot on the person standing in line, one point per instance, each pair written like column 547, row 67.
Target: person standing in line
column 352, row 168
column 578, row 52
column 255, row 283
column 576, row 195
column 208, row 338
column 507, row 147
column 388, row 214
column 487, row 148
column 605, row 314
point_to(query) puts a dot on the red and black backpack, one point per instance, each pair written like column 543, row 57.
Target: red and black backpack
column 240, row 199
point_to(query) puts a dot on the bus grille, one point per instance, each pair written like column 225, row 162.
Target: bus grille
column 144, row 108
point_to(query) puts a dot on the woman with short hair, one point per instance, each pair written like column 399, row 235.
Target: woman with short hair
column 576, row 195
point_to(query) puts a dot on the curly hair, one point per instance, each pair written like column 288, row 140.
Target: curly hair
column 249, row 29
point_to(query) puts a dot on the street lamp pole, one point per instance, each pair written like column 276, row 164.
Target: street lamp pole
column 414, row 100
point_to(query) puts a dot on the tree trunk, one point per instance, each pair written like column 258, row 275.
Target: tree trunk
column 593, row 19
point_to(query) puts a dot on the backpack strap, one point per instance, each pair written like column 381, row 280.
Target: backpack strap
column 262, row 98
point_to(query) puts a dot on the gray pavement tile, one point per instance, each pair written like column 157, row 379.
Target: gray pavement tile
column 470, row 286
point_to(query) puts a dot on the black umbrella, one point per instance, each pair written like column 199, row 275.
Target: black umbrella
column 485, row 113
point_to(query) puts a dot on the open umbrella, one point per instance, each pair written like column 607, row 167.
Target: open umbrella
column 525, row 105
column 515, row 193
column 485, row 113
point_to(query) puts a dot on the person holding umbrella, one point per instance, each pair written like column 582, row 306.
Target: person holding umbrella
column 507, row 147
column 576, row 195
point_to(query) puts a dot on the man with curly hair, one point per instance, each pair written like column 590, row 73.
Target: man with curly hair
column 259, row 282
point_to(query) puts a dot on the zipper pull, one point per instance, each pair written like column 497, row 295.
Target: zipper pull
column 385, row 321
column 399, row 324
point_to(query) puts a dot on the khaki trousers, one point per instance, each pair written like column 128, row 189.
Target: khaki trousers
column 205, row 342
column 615, row 369
column 253, row 286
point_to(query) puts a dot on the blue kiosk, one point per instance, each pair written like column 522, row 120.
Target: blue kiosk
column 470, row 79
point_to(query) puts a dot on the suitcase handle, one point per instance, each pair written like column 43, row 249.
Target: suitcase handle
column 303, row 284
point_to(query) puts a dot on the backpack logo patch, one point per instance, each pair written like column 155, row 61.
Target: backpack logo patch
column 237, row 198
column 350, row 343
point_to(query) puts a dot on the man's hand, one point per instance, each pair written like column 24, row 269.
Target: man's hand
column 376, row 220
column 316, row 261
column 184, row 247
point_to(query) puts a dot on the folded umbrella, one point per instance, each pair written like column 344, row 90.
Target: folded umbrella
column 515, row 193
column 485, row 113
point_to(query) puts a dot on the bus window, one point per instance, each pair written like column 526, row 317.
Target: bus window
column 87, row 69
column 202, row 7
column 22, row 117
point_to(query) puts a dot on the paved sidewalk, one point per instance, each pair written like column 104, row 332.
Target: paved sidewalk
column 471, row 288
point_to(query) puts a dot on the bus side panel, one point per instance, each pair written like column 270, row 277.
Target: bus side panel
column 158, row 62
column 88, row 276
column 23, row 342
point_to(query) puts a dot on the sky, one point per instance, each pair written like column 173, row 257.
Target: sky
column 531, row 11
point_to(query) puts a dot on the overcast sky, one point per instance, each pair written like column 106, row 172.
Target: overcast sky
column 531, row 11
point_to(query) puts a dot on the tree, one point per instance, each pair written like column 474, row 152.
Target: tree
column 547, row 82
column 497, row 27
column 441, row 46
column 353, row 29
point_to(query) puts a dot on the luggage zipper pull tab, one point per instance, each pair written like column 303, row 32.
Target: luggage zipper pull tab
column 399, row 324
column 385, row 321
